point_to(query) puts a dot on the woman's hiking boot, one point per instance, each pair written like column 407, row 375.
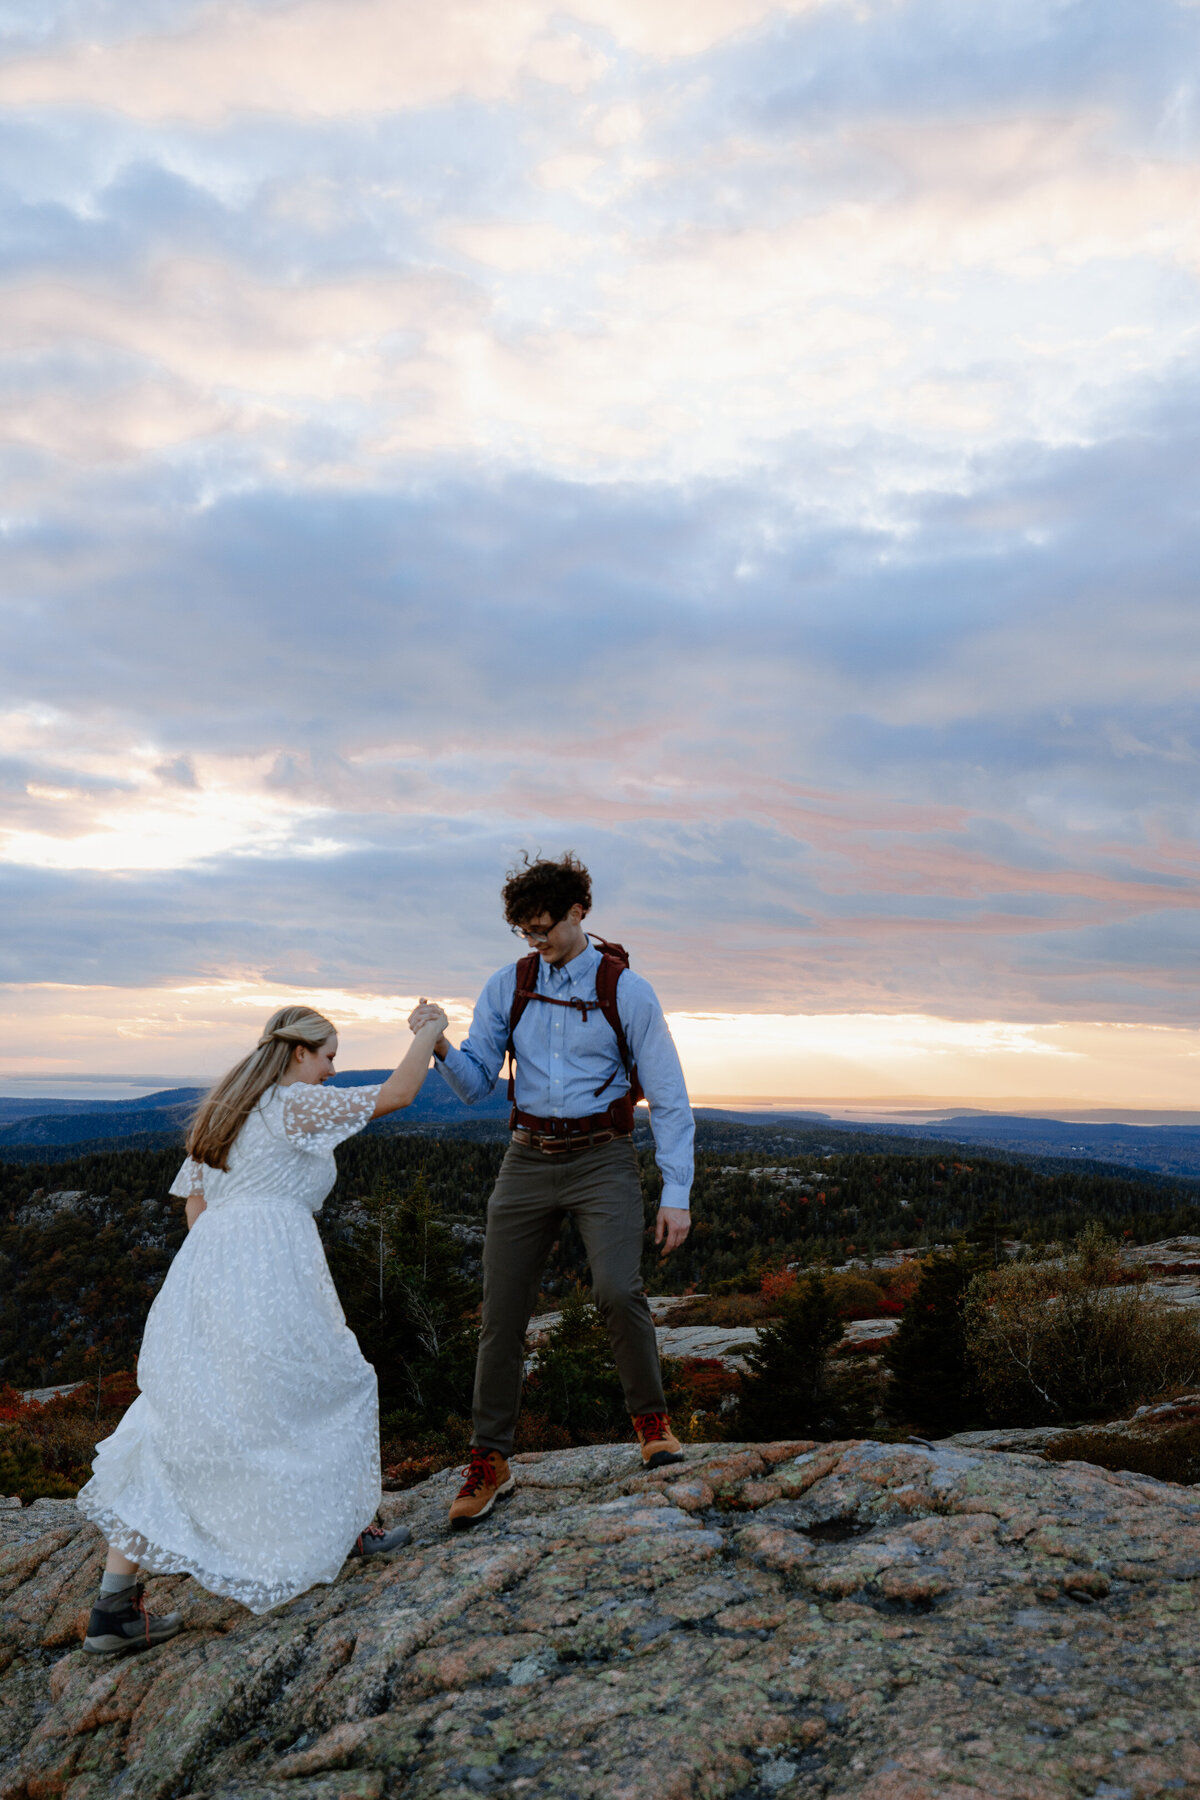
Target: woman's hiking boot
column 488, row 1477
column 376, row 1540
column 659, row 1443
column 120, row 1622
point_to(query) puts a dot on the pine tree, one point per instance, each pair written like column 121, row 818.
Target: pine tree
column 784, row 1390
column 574, row 1383
column 931, row 1376
column 408, row 1304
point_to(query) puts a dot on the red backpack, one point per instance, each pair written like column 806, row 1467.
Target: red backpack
column 614, row 960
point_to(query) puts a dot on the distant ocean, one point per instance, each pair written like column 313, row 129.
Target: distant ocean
column 926, row 1111
column 899, row 1110
column 93, row 1087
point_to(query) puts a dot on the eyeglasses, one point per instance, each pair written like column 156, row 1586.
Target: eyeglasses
column 536, row 934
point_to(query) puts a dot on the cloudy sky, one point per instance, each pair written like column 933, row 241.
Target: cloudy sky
column 753, row 445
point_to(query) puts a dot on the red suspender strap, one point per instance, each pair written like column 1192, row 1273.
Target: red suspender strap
column 523, row 993
column 613, row 963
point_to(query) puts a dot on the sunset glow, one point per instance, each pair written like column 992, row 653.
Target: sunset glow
column 750, row 444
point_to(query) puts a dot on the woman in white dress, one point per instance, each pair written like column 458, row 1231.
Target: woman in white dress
column 250, row 1459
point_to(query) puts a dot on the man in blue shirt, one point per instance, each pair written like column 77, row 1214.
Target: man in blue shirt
column 568, row 1156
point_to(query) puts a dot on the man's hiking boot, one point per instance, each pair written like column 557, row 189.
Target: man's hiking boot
column 377, row 1541
column 120, row 1622
column 488, row 1477
column 659, row 1444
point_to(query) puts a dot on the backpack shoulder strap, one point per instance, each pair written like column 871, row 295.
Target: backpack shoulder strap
column 523, row 993
column 614, row 960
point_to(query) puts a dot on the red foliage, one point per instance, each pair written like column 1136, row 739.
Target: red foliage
column 705, row 1382
column 12, row 1407
column 777, row 1285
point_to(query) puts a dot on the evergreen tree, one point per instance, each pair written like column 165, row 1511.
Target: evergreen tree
column 574, row 1383
column 784, row 1392
column 931, row 1375
column 407, row 1303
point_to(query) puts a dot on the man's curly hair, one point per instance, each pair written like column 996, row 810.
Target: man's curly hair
column 545, row 886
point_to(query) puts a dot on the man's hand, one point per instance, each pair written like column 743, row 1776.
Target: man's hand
column 424, row 1013
column 671, row 1227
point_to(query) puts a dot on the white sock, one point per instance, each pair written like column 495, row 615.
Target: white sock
column 111, row 1583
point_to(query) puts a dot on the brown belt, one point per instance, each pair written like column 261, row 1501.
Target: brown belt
column 559, row 1137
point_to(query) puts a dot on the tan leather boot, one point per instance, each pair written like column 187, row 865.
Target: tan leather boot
column 488, row 1477
column 659, row 1443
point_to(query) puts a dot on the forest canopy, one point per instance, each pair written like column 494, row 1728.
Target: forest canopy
column 84, row 1245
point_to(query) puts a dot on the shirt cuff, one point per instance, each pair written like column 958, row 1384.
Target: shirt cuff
column 674, row 1194
column 454, row 1068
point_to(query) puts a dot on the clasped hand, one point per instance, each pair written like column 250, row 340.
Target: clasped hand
column 428, row 1012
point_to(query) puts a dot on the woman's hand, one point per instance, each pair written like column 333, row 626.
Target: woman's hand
column 424, row 1012
column 427, row 1012
column 428, row 1022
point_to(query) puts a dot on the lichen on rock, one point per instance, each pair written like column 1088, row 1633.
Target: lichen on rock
column 841, row 1620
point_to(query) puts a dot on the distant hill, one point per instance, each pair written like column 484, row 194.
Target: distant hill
column 1165, row 1149
column 47, row 1128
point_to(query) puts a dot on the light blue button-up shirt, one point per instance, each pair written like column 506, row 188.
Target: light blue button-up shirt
column 562, row 1059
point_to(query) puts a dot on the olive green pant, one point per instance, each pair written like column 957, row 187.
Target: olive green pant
column 600, row 1190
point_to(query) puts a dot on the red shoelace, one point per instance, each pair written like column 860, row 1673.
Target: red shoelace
column 139, row 1606
column 651, row 1426
column 479, row 1472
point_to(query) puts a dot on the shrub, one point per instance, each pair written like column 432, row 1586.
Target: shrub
column 410, row 1450
column 856, row 1296
column 50, row 1444
column 700, row 1392
column 856, row 1388
column 1172, row 1454
column 1063, row 1339
column 928, row 1358
column 783, row 1393
column 899, row 1285
column 721, row 1309
column 23, row 1471
column 777, row 1286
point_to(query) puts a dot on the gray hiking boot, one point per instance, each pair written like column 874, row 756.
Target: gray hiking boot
column 120, row 1622
column 375, row 1541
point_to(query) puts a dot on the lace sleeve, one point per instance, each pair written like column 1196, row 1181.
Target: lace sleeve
column 319, row 1118
column 190, row 1180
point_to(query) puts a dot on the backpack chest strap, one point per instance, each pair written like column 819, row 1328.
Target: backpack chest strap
column 613, row 963
column 581, row 1006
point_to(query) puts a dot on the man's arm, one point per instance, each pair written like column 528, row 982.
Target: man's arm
column 471, row 1072
column 653, row 1050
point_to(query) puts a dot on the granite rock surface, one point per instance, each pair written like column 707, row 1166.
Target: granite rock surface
column 841, row 1620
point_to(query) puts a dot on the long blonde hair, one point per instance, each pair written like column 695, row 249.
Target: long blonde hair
column 226, row 1107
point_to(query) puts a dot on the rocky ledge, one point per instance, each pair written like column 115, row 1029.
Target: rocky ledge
column 851, row 1619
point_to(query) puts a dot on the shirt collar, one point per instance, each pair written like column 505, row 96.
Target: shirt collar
column 580, row 968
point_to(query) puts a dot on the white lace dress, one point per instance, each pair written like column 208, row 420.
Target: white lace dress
column 250, row 1458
